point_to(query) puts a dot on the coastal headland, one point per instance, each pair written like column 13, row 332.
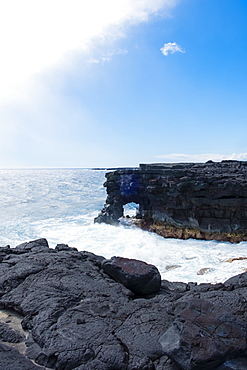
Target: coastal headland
column 182, row 200
column 65, row 309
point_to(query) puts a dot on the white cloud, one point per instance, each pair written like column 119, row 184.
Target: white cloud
column 43, row 34
column 178, row 157
column 107, row 56
column 171, row 48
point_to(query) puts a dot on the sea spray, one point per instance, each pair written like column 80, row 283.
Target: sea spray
column 60, row 205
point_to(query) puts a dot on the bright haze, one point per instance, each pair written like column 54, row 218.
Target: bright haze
column 106, row 83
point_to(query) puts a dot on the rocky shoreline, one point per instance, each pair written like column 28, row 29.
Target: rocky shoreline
column 80, row 311
column 185, row 200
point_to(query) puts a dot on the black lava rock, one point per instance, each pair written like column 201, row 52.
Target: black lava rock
column 182, row 200
column 78, row 317
column 138, row 276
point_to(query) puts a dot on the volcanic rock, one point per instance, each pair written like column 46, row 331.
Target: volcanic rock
column 138, row 276
column 78, row 317
column 182, row 200
column 9, row 335
column 203, row 337
column 11, row 359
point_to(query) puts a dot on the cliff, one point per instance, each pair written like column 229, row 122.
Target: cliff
column 186, row 200
column 64, row 309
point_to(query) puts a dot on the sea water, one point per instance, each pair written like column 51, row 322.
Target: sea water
column 60, row 205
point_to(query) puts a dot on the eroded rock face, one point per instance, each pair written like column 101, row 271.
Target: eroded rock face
column 78, row 317
column 188, row 200
column 138, row 276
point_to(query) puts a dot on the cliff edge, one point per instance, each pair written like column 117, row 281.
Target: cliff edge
column 182, row 200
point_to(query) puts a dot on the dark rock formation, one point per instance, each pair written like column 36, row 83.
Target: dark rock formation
column 7, row 334
column 188, row 200
column 202, row 335
column 75, row 316
column 11, row 359
column 139, row 277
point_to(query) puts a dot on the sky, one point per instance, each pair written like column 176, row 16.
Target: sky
column 115, row 83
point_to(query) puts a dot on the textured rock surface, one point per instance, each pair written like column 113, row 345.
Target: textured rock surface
column 138, row 276
column 77, row 317
column 11, row 359
column 201, row 201
column 202, row 335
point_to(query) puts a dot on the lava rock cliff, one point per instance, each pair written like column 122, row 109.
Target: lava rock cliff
column 187, row 200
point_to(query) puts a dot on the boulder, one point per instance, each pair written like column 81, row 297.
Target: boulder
column 138, row 276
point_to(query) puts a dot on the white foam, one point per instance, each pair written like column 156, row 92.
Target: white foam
column 61, row 205
column 177, row 260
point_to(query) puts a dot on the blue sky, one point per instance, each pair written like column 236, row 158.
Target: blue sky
column 87, row 85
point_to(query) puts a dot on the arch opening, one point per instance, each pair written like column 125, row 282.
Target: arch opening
column 130, row 209
column 130, row 212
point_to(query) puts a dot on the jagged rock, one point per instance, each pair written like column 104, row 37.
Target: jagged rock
column 184, row 200
column 9, row 335
column 11, row 359
column 80, row 318
column 203, row 336
column 35, row 245
column 138, row 276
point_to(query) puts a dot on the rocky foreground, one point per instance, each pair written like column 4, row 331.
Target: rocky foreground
column 80, row 311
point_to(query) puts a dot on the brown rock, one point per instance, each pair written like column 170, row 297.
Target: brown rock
column 203, row 271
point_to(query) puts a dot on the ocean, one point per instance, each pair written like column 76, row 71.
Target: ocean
column 60, row 205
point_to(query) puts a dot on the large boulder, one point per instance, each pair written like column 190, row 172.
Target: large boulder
column 138, row 276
